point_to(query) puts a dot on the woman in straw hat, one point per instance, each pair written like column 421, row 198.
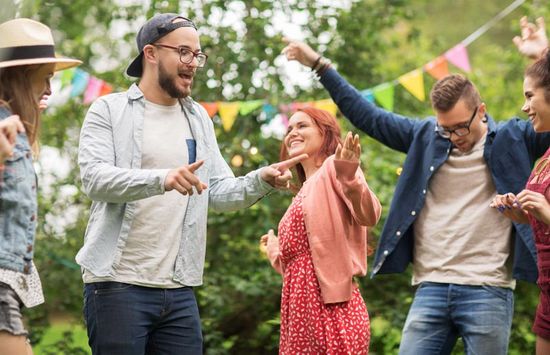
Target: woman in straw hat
column 27, row 63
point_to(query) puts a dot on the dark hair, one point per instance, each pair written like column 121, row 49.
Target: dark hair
column 539, row 71
column 16, row 94
column 330, row 131
column 447, row 91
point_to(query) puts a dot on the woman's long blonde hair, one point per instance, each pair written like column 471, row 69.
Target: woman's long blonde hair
column 16, row 94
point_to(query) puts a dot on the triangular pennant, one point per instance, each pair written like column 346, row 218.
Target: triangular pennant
column 383, row 94
column 249, row 106
column 327, row 105
column 106, row 89
column 92, row 90
column 295, row 106
column 438, row 68
column 368, row 95
column 79, row 82
column 285, row 108
column 458, row 55
column 413, row 81
column 210, row 107
column 228, row 112
column 269, row 111
column 284, row 119
column 67, row 77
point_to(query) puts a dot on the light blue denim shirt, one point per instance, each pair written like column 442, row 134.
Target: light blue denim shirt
column 18, row 206
column 110, row 167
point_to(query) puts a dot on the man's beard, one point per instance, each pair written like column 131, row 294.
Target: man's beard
column 167, row 83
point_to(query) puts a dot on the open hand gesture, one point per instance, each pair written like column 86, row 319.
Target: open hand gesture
column 351, row 150
column 533, row 40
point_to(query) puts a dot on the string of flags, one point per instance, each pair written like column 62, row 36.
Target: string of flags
column 82, row 83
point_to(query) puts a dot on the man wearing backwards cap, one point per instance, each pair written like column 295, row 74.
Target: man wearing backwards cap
column 150, row 162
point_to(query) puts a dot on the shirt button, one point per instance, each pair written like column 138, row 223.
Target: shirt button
column 29, row 248
column 431, row 168
column 33, row 217
column 386, row 252
column 28, row 155
column 398, row 233
column 424, row 191
column 26, row 269
column 413, row 213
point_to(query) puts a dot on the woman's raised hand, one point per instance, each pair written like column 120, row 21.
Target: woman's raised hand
column 350, row 150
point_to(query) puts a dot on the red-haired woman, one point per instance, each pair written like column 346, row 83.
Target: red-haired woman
column 322, row 241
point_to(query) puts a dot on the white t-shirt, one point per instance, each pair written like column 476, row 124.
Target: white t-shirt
column 153, row 242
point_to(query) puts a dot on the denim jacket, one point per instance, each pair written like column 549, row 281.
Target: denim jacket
column 18, row 206
column 110, row 167
column 510, row 151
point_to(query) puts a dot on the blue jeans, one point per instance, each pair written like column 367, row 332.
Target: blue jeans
column 440, row 313
column 127, row 319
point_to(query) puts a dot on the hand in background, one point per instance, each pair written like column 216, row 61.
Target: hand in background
column 264, row 240
column 533, row 40
column 299, row 51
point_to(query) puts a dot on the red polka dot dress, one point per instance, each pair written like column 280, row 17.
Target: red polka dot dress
column 308, row 326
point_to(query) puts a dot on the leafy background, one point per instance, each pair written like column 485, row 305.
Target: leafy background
column 370, row 41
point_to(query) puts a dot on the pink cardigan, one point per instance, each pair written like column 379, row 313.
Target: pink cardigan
column 337, row 206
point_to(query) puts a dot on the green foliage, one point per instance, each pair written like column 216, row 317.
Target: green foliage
column 371, row 42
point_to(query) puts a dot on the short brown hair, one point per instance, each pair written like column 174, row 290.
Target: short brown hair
column 447, row 91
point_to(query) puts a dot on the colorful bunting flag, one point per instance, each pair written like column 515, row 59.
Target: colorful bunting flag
column 413, row 81
column 368, row 95
column 248, row 107
column 269, row 111
column 284, row 119
column 327, row 105
column 67, row 77
column 79, row 82
column 92, row 90
column 437, row 68
column 228, row 112
column 383, row 94
column 106, row 89
column 295, row 106
column 458, row 55
column 210, row 107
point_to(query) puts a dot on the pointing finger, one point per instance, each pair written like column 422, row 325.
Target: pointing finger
column 193, row 167
column 289, row 163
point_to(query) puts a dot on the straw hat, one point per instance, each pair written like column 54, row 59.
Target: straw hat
column 24, row 42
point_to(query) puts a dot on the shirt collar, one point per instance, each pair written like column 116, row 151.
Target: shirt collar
column 134, row 93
